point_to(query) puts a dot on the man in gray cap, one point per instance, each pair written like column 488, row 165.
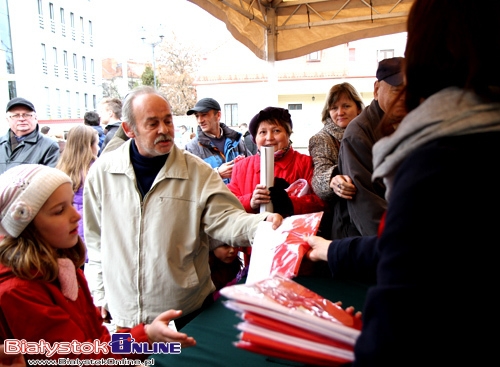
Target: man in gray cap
column 215, row 143
column 24, row 143
column 362, row 214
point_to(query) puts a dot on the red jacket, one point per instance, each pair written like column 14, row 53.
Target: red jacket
column 35, row 309
column 293, row 165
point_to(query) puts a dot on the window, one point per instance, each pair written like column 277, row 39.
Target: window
column 56, row 62
column 295, row 106
column 44, row 59
column 68, row 103
column 92, row 71
column 47, row 102
column 52, row 18
column 314, row 56
column 65, row 63
column 82, row 30
column 385, row 54
column 63, row 22
column 72, row 24
column 231, row 114
column 51, row 11
column 58, row 103
column 91, row 40
column 84, row 68
column 77, row 104
column 75, row 67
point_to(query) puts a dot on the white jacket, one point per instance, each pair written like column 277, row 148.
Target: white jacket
column 149, row 256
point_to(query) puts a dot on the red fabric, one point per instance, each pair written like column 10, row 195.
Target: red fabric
column 294, row 165
column 34, row 310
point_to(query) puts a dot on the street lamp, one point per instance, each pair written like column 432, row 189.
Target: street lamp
column 153, row 45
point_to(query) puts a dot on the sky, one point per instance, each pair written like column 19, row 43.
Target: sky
column 120, row 23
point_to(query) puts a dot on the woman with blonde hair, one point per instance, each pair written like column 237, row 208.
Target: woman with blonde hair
column 82, row 147
column 343, row 103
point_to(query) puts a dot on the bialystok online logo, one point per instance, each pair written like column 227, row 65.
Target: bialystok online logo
column 121, row 343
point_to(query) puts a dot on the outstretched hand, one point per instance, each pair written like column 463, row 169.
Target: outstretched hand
column 159, row 331
column 350, row 310
column 319, row 247
column 11, row 360
column 276, row 219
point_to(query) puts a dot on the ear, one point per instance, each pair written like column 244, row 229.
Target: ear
column 128, row 130
column 376, row 87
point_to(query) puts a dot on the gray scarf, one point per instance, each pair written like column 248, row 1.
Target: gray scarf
column 450, row 112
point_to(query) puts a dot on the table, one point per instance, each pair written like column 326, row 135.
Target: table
column 214, row 329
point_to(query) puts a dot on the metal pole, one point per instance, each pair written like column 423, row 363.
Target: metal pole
column 153, row 45
column 154, row 65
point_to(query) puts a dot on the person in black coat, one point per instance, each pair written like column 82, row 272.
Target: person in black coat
column 431, row 260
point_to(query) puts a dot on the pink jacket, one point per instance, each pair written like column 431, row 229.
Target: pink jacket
column 294, row 165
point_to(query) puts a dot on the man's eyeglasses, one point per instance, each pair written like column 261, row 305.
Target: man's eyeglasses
column 24, row 116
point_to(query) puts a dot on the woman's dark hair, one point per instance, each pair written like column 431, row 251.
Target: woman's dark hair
column 452, row 43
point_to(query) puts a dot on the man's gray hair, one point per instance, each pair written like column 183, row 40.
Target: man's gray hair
column 127, row 109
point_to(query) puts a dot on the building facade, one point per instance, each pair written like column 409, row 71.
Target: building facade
column 243, row 84
column 48, row 56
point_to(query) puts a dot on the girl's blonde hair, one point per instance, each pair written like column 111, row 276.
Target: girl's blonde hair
column 29, row 256
column 77, row 156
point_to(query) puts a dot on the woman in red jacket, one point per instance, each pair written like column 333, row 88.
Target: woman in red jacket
column 44, row 297
column 272, row 127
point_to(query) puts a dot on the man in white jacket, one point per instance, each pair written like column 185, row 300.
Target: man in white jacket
column 149, row 208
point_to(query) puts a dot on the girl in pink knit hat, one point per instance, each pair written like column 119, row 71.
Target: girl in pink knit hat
column 44, row 297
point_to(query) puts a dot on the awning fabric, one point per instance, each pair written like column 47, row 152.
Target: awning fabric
column 281, row 29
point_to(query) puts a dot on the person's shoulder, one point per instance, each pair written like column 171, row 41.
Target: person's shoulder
column 48, row 141
column 195, row 163
column 301, row 156
column 192, row 144
column 321, row 136
column 113, row 158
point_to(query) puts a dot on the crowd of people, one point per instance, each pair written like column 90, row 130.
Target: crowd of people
column 391, row 179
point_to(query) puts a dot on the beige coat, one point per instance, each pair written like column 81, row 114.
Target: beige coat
column 149, row 256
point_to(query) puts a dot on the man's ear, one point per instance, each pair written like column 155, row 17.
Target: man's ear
column 128, row 130
column 376, row 87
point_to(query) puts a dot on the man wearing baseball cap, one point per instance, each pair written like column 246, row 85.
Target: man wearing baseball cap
column 215, row 143
column 362, row 214
column 24, row 143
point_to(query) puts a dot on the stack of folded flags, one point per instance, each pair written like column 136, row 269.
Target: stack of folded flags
column 283, row 319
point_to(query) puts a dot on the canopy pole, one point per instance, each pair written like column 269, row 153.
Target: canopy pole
column 271, row 41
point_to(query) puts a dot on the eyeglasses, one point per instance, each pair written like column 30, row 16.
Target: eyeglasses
column 24, row 116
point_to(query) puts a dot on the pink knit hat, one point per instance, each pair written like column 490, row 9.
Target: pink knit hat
column 23, row 191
